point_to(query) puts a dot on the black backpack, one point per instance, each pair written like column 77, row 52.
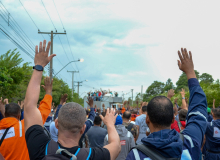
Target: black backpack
column 129, row 127
column 152, row 153
column 54, row 152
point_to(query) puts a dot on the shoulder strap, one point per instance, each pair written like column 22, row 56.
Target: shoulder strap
column 182, row 137
column 130, row 126
column 179, row 125
column 3, row 137
column 152, row 153
column 51, row 147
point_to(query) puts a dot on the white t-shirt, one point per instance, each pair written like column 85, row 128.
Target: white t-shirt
column 143, row 128
column 53, row 131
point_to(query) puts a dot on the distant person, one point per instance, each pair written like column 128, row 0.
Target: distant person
column 96, row 134
column 53, row 131
column 126, row 139
column 126, row 117
column 141, row 124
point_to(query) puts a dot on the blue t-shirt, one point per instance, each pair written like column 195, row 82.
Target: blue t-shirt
column 141, row 122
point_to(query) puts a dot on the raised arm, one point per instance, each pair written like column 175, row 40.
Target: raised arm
column 214, row 103
column 114, row 145
column 32, row 115
column 184, row 106
column 170, row 94
column 2, row 107
column 197, row 111
column 62, row 101
column 45, row 104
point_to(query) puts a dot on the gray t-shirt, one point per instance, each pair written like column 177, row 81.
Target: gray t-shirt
column 143, row 128
column 96, row 136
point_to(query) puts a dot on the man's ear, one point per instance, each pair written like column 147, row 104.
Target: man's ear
column 147, row 120
column 83, row 129
column 56, row 123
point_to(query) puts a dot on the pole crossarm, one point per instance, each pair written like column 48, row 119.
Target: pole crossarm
column 50, row 33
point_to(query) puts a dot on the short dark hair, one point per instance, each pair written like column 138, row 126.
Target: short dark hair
column 160, row 111
column 144, row 109
column 216, row 113
column 126, row 115
column 182, row 114
column 99, row 110
column 103, row 114
column 97, row 120
column 12, row 110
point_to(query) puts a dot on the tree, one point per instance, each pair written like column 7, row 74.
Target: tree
column 183, row 81
column 154, row 89
column 206, row 78
column 169, row 85
column 138, row 97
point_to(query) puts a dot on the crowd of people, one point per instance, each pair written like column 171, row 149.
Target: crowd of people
column 156, row 130
column 98, row 95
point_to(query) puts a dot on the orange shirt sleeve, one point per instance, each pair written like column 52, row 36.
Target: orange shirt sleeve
column 45, row 107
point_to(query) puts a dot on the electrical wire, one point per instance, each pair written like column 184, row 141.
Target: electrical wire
column 32, row 19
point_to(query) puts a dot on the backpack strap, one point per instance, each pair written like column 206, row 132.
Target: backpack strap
column 129, row 127
column 51, row 147
column 3, row 137
column 84, row 153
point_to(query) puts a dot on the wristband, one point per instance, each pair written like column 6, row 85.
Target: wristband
column 183, row 98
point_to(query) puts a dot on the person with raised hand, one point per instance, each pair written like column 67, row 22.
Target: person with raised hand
column 163, row 143
column 14, row 144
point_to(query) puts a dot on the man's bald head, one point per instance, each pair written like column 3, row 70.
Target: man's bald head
column 71, row 117
column 126, row 115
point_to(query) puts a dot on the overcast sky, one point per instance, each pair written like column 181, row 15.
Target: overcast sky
column 125, row 44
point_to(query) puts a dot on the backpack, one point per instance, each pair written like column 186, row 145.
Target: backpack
column 152, row 153
column 129, row 127
column 54, row 152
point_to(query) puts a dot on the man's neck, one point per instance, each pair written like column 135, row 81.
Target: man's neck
column 97, row 125
column 125, row 120
column 68, row 140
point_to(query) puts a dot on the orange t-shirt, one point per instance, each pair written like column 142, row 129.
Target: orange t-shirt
column 14, row 146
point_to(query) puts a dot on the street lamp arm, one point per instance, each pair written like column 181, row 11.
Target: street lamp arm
column 65, row 66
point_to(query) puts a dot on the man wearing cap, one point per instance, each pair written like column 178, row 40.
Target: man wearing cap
column 126, row 139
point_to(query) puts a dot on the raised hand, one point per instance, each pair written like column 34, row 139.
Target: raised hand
column 170, row 93
column 109, row 118
column 22, row 104
column 186, row 63
column 90, row 102
column 41, row 55
column 48, row 86
column 95, row 106
column 2, row 107
column 144, row 104
column 176, row 99
column 6, row 101
column 63, row 98
column 182, row 93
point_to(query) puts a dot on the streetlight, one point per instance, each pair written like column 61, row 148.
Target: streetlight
column 79, row 60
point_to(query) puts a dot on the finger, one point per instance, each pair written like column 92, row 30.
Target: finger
column 186, row 53
column 44, row 45
column 43, row 86
column 101, row 117
column 36, row 49
column 180, row 56
column 179, row 64
column 40, row 47
column 107, row 111
column 183, row 53
column 51, row 56
column 48, row 47
column 190, row 55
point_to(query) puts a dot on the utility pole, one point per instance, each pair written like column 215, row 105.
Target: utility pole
column 73, row 79
column 132, row 95
column 51, row 49
column 142, row 92
column 78, row 87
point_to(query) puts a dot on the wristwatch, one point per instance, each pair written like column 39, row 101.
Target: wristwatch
column 183, row 98
column 38, row 67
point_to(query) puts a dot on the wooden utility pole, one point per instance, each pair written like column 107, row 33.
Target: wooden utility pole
column 51, row 49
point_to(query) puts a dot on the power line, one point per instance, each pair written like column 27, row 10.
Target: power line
column 48, row 15
column 67, row 38
column 31, row 19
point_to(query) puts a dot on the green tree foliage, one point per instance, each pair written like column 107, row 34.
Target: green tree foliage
column 138, row 97
column 155, row 88
column 15, row 76
column 169, row 85
column 183, row 81
column 206, row 78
